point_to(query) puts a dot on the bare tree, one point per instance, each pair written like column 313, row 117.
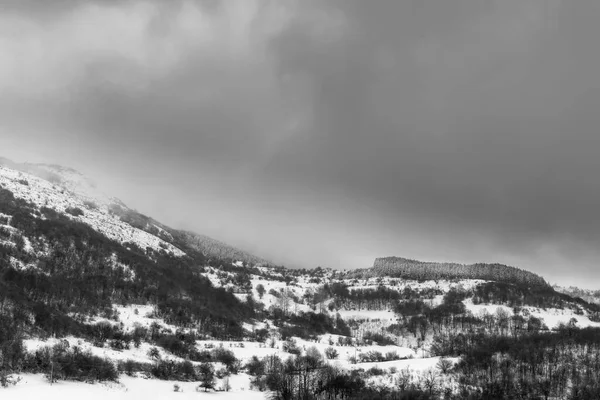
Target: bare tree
column 404, row 379
column 444, row 365
column 284, row 300
column 430, row 380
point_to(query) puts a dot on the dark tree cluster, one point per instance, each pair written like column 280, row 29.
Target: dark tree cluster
column 564, row 364
column 518, row 295
column 308, row 377
column 379, row 298
column 308, row 325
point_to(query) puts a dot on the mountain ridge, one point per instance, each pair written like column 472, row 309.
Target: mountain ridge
column 74, row 181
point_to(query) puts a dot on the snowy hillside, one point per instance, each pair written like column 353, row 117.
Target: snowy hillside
column 84, row 207
column 93, row 291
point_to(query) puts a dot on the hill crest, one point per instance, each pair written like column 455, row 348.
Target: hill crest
column 419, row 270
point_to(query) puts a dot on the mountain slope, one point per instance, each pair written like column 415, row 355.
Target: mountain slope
column 44, row 195
column 61, row 256
column 64, row 188
column 66, row 178
column 217, row 249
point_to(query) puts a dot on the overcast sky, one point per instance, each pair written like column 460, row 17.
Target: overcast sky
column 325, row 132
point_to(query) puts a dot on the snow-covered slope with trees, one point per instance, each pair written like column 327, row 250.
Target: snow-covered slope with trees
column 46, row 195
column 92, row 290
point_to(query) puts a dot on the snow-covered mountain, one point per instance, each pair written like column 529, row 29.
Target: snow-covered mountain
column 67, row 192
column 90, row 289
column 67, row 178
column 61, row 189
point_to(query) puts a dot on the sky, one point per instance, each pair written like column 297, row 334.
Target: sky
column 325, row 132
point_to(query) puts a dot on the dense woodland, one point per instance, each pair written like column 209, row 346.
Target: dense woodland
column 419, row 270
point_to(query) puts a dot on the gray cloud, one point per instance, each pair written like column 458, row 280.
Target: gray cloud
column 325, row 132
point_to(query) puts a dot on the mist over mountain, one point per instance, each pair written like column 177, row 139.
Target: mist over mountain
column 91, row 290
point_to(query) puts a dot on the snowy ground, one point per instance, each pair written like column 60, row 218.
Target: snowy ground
column 401, row 284
column 37, row 387
column 381, row 315
column 139, row 354
column 480, row 309
column 416, row 365
column 552, row 317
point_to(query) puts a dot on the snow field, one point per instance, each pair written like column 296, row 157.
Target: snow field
column 37, row 387
column 552, row 317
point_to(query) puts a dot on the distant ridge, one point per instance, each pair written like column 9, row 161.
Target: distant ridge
column 422, row 270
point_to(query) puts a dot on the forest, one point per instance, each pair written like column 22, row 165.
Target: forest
column 419, row 270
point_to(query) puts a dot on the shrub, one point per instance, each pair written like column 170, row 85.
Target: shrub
column 228, row 358
column 331, row 353
column 61, row 363
column 261, row 335
column 260, row 289
column 291, row 347
column 8, row 380
column 201, row 356
column 375, row 371
column 378, row 338
column 221, row 373
column 391, row 356
column 371, row 356
column 255, row 366
column 154, row 353
column 119, row 344
column 172, row 370
column 130, row 367
column 174, row 345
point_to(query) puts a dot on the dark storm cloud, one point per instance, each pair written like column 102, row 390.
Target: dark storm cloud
column 450, row 113
column 350, row 129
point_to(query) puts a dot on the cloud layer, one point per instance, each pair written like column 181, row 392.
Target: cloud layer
column 325, row 132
